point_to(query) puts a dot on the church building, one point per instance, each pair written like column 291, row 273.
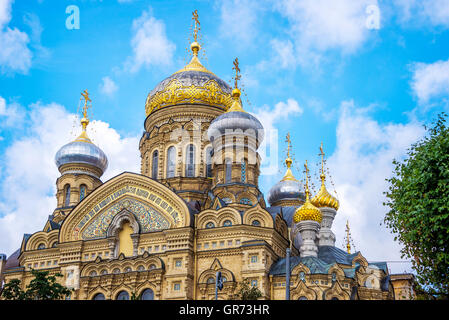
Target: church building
column 194, row 208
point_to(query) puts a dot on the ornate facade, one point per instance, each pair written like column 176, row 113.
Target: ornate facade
column 194, row 209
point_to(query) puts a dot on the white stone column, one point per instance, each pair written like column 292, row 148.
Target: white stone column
column 326, row 237
column 309, row 231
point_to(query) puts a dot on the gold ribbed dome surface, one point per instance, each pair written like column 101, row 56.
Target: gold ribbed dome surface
column 192, row 84
column 324, row 199
column 307, row 212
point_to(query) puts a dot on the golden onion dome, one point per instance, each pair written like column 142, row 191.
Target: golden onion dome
column 192, row 84
column 323, row 198
column 307, row 211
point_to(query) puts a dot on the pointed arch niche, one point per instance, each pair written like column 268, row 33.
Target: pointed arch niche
column 124, row 234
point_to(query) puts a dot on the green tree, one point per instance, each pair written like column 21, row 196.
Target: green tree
column 42, row 287
column 418, row 201
column 248, row 292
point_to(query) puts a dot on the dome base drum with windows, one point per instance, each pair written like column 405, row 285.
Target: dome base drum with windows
column 194, row 209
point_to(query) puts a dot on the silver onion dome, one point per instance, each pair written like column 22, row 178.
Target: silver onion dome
column 286, row 190
column 233, row 121
column 82, row 152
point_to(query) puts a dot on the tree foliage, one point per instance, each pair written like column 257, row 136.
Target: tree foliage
column 418, row 201
column 42, row 287
column 248, row 292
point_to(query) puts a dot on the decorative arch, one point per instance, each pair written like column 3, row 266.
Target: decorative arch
column 281, row 226
column 336, row 291
column 260, row 214
column 42, row 237
column 244, row 195
column 302, row 290
column 225, row 213
column 154, row 205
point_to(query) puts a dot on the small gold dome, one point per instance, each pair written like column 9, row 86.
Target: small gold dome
column 307, row 212
column 324, row 199
column 236, row 93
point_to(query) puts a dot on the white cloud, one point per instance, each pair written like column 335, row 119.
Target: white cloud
column 5, row 12
column 359, row 166
column 282, row 112
column 238, row 20
column 29, row 173
column 318, row 26
column 11, row 115
column 14, row 54
column 434, row 13
column 150, row 44
column 430, row 80
column 108, row 86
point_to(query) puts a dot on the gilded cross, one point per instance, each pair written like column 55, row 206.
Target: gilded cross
column 306, row 169
column 348, row 235
column 197, row 23
column 85, row 94
column 288, row 144
column 322, row 158
column 237, row 71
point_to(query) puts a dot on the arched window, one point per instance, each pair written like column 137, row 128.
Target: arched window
column 152, row 266
column 227, row 223
column 171, row 164
column 256, row 223
column 99, row 296
column 116, row 271
column 140, row 268
column 210, row 225
column 128, row 269
column 154, row 164
column 190, row 161
column 147, row 294
column 243, row 170
column 104, row 271
column 302, row 298
column 228, row 170
column 209, row 152
column 41, row 246
column 83, row 189
column 66, row 195
column 123, row 295
column 92, row 274
column 211, row 280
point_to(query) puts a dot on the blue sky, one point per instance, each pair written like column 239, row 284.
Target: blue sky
column 360, row 76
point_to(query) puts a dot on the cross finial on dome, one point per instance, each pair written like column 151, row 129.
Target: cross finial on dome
column 85, row 120
column 288, row 161
column 237, row 72
column 322, row 176
column 306, row 170
column 195, row 46
column 197, row 24
column 236, row 105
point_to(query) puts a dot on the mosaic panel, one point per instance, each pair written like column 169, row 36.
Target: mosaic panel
column 148, row 218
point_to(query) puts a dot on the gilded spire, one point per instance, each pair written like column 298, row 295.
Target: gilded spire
column 307, row 211
column 195, row 64
column 288, row 161
column 323, row 198
column 236, row 104
column 85, row 120
column 348, row 237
